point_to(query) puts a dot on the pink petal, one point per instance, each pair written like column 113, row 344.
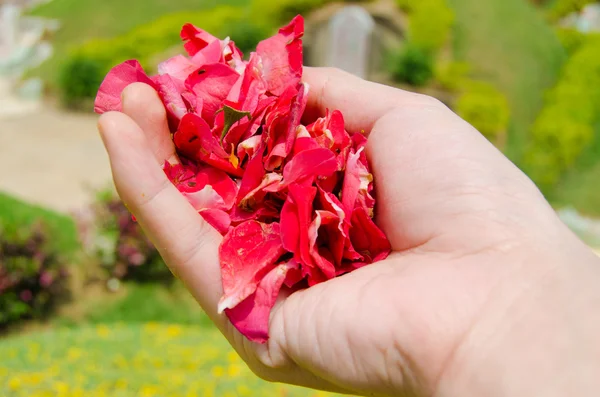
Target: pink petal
column 195, row 139
column 306, row 166
column 251, row 316
column 178, row 67
column 195, row 39
column 282, row 57
column 170, row 95
column 211, row 84
column 218, row 219
column 357, row 180
column 367, row 238
column 248, row 252
column 109, row 93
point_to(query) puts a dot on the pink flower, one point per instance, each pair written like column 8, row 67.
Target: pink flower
column 295, row 203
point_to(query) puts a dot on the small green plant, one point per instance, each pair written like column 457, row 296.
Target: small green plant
column 412, row 65
column 80, row 78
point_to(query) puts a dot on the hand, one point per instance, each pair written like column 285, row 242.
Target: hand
column 485, row 284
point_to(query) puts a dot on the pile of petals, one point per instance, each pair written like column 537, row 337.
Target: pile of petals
column 294, row 202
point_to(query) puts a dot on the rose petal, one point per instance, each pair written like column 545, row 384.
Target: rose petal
column 218, row 219
column 119, row 77
column 195, row 38
column 251, row 316
column 247, row 254
column 282, row 57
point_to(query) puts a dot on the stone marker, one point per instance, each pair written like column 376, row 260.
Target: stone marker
column 350, row 34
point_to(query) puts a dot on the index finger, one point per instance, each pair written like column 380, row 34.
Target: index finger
column 361, row 102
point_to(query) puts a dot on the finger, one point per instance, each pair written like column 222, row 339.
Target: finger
column 142, row 104
column 361, row 102
column 186, row 242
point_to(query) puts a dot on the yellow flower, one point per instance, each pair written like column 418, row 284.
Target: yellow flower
column 148, row 391
column 173, row 331
column 233, row 357
column 61, row 388
column 217, row 371
column 234, row 370
column 14, row 383
column 74, row 353
column 121, row 384
column 103, row 331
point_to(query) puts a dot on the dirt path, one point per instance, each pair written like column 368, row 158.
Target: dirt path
column 52, row 158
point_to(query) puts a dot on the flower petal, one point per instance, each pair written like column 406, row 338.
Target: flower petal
column 119, row 77
column 248, row 252
column 251, row 316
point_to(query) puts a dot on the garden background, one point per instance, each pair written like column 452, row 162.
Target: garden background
column 87, row 308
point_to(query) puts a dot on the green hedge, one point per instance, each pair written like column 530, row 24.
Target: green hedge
column 430, row 22
column 561, row 8
column 486, row 108
column 86, row 66
column 565, row 126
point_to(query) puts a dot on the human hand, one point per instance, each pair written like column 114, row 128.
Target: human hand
column 477, row 253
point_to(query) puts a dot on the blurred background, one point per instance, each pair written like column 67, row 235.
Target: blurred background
column 87, row 308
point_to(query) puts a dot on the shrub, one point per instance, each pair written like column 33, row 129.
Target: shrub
column 79, row 79
column 486, row 108
column 247, row 35
column 32, row 276
column 430, row 22
column 412, row 65
column 561, row 8
column 566, row 124
column 117, row 243
column 93, row 60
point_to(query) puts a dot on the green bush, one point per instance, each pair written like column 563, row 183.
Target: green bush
column 412, row 65
column 486, row 108
column 79, row 79
column 430, row 22
column 571, row 39
column 94, row 59
column 117, row 243
column 561, row 8
column 566, row 124
column 247, row 35
column 32, row 276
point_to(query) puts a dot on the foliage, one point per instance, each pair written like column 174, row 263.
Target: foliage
column 571, row 39
column 130, row 360
column 142, row 43
column 149, row 302
column 20, row 214
column 247, row 35
column 32, row 276
column 430, row 22
column 561, row 8
column 80, row 78
column 566, row 124
column 412, row 65
column 483, row 106
column 118, row 244
column 509, row 44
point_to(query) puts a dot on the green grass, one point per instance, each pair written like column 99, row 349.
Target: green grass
column 509, row 44
column 149, row 302
column 124, row 360
column 580, row 187
column 82, row 20
column 15, row 213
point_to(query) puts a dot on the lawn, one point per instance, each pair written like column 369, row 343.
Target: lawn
column 122, row 360
column 82, row 20
column 16, row 213
column 509, row 44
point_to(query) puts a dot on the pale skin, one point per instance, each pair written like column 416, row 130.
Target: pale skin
column 486, row 292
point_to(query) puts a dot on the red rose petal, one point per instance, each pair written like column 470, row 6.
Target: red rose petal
column 109, row 93
column 247, row 254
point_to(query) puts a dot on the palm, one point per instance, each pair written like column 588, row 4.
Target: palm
column 436, row 202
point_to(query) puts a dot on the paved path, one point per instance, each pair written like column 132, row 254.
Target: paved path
column 52, row 158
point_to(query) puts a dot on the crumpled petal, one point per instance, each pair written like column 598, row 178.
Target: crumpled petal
column 211, row 83
column 282, row 57
column 109, row 93
column 251, row 316
column 248, row 252
column 195, row 38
